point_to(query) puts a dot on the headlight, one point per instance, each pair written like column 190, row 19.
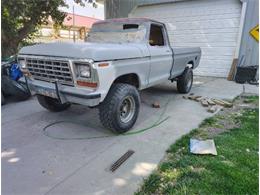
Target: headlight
column 22, row 63
column 83, row 70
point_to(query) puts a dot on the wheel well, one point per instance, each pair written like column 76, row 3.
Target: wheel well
column 191, row 63
column 131, row 79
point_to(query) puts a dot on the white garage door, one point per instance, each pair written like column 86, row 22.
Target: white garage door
column 209, row 24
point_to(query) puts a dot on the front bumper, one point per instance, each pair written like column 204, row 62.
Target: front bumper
column 63, row 93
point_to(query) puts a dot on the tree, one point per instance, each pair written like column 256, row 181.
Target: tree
column 21, row 17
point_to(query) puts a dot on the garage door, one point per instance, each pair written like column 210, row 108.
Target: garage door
column 211, row 25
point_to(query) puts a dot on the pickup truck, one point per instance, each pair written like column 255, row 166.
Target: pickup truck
column 118, row 58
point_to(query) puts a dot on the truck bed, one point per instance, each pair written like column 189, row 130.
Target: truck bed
column 182, row 57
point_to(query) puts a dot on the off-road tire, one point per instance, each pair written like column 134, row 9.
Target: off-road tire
column 52, row 104
column 109, row 109
column 184, row 82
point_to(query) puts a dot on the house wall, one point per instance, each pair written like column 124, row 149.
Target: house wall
column 121, row 8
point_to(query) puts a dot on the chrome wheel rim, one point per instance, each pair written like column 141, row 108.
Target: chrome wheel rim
column 127, row 109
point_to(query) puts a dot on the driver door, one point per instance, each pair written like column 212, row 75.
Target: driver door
column 161, row 55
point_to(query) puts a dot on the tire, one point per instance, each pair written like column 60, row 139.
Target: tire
column 185, row 81
column 52, row 104
column 15, row 88
column 119, row 110
column 21, row 92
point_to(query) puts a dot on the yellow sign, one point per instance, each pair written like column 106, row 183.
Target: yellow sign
column 255, row 32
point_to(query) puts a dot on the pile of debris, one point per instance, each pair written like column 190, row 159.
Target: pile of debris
column 212, row 103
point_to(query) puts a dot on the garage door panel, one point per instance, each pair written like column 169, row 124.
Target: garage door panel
column 214, row 62
column 208, row 4
column 215, row 31
column 212, row 44
column 203, row 17
column 220, row 51
column 205, row 44
column 211, row 35
column 202, row 4
column 220, row 57
column 216, row 72
column 205, row 38
column 179, row 13
column 201, row 12
column 216, row 51
column 210, row 74
column 211, row 25
column 208, row 24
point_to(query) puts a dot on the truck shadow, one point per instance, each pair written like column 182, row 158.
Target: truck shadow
column 80, row 122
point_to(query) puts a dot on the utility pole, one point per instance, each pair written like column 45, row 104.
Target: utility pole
column 73, row 24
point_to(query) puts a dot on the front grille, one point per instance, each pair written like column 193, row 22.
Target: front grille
column 50, row 70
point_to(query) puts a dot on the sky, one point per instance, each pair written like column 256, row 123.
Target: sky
column 88, row 10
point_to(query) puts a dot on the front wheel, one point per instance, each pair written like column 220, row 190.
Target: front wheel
column 120, row 109
column 52, row 104
column 184, row 82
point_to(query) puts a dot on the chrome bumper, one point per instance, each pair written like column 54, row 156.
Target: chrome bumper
column 62, row 92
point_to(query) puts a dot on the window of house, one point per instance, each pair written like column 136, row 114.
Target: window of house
column 156, row 35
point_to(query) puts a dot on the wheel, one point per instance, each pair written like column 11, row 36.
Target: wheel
column 184, row 82
column 120, row 109
column 52, row 104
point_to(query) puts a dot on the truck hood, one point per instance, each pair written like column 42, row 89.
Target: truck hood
column 94, row 51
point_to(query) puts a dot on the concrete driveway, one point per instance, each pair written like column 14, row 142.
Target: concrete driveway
column 74, row 158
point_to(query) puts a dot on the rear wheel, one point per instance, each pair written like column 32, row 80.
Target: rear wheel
column 52, row 104
column 184, row 82
column 120, row 109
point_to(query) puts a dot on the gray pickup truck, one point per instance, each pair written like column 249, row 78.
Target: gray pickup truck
column 118, row 58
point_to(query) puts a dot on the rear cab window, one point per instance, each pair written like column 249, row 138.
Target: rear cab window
column 156, row 37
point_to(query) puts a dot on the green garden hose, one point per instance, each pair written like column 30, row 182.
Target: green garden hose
column 158, row 122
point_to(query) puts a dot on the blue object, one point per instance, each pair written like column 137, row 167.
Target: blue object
column 15, row 72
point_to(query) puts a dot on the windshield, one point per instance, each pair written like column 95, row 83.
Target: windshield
column 117, row 33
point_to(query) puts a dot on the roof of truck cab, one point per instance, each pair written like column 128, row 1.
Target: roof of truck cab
column 127, row 20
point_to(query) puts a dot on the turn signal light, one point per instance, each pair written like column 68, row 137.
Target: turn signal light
column 87, row 84
column 103, row 64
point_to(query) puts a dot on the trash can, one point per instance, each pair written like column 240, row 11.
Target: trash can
column 246, row 74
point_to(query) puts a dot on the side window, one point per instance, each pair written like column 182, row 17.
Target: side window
column 156, row 35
